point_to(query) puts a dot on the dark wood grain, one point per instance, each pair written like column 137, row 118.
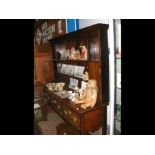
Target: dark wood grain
column 43, row 68
column 95, row 38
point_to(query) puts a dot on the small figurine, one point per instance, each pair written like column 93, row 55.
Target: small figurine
column 83, row 52
column 69, row 94
column 77, row 55
column 51, row 86
column 76, row 91
column 85, row 76
column 74, row 54
column 89, row 97
column 68, row 54
column 81, row 91
column 59, row 86
column 72, row 97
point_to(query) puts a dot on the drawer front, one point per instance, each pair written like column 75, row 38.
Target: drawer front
column 58, row 107
column 68, row 114
column 93, row 120
column 65, row 112
column 74, row 119
column 66, row 129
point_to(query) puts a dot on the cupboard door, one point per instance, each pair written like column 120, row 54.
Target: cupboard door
column 47, row 71
column 43, row 68
column 94, row 45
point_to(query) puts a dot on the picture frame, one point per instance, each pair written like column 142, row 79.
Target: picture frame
column 83, row 85
column 59, row 67
column 70, row 70
column 79, row 70
column 67, row 69
column 73, row 83
column 63, row 69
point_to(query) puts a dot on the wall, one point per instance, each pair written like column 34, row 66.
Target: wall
column 85, row 23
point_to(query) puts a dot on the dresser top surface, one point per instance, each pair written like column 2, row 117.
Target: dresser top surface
column 75, row 107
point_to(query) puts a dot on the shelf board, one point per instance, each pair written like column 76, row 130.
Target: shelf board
column 70, row 76
column 70, row 60
column 60, row 60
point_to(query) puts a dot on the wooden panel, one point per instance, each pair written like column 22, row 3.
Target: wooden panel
column 93, row 120
column 104, row 54
column 94, row 45
column 47, row 71
column 95, row 73
column 43, row 68
column 74, row 119
column 46, row 47
column 66, row 129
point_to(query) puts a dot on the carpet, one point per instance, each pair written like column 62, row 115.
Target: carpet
column 49, row 127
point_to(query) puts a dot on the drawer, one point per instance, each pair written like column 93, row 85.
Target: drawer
column 65, row 112
column 58, row 107
column 74, row 119
column 66, row 129
column 53, row 103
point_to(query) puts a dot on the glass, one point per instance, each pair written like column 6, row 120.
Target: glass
column 117, row 45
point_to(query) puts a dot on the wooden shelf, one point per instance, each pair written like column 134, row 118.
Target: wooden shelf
column 69, row 76
column 74, row 61
column 95, row 38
